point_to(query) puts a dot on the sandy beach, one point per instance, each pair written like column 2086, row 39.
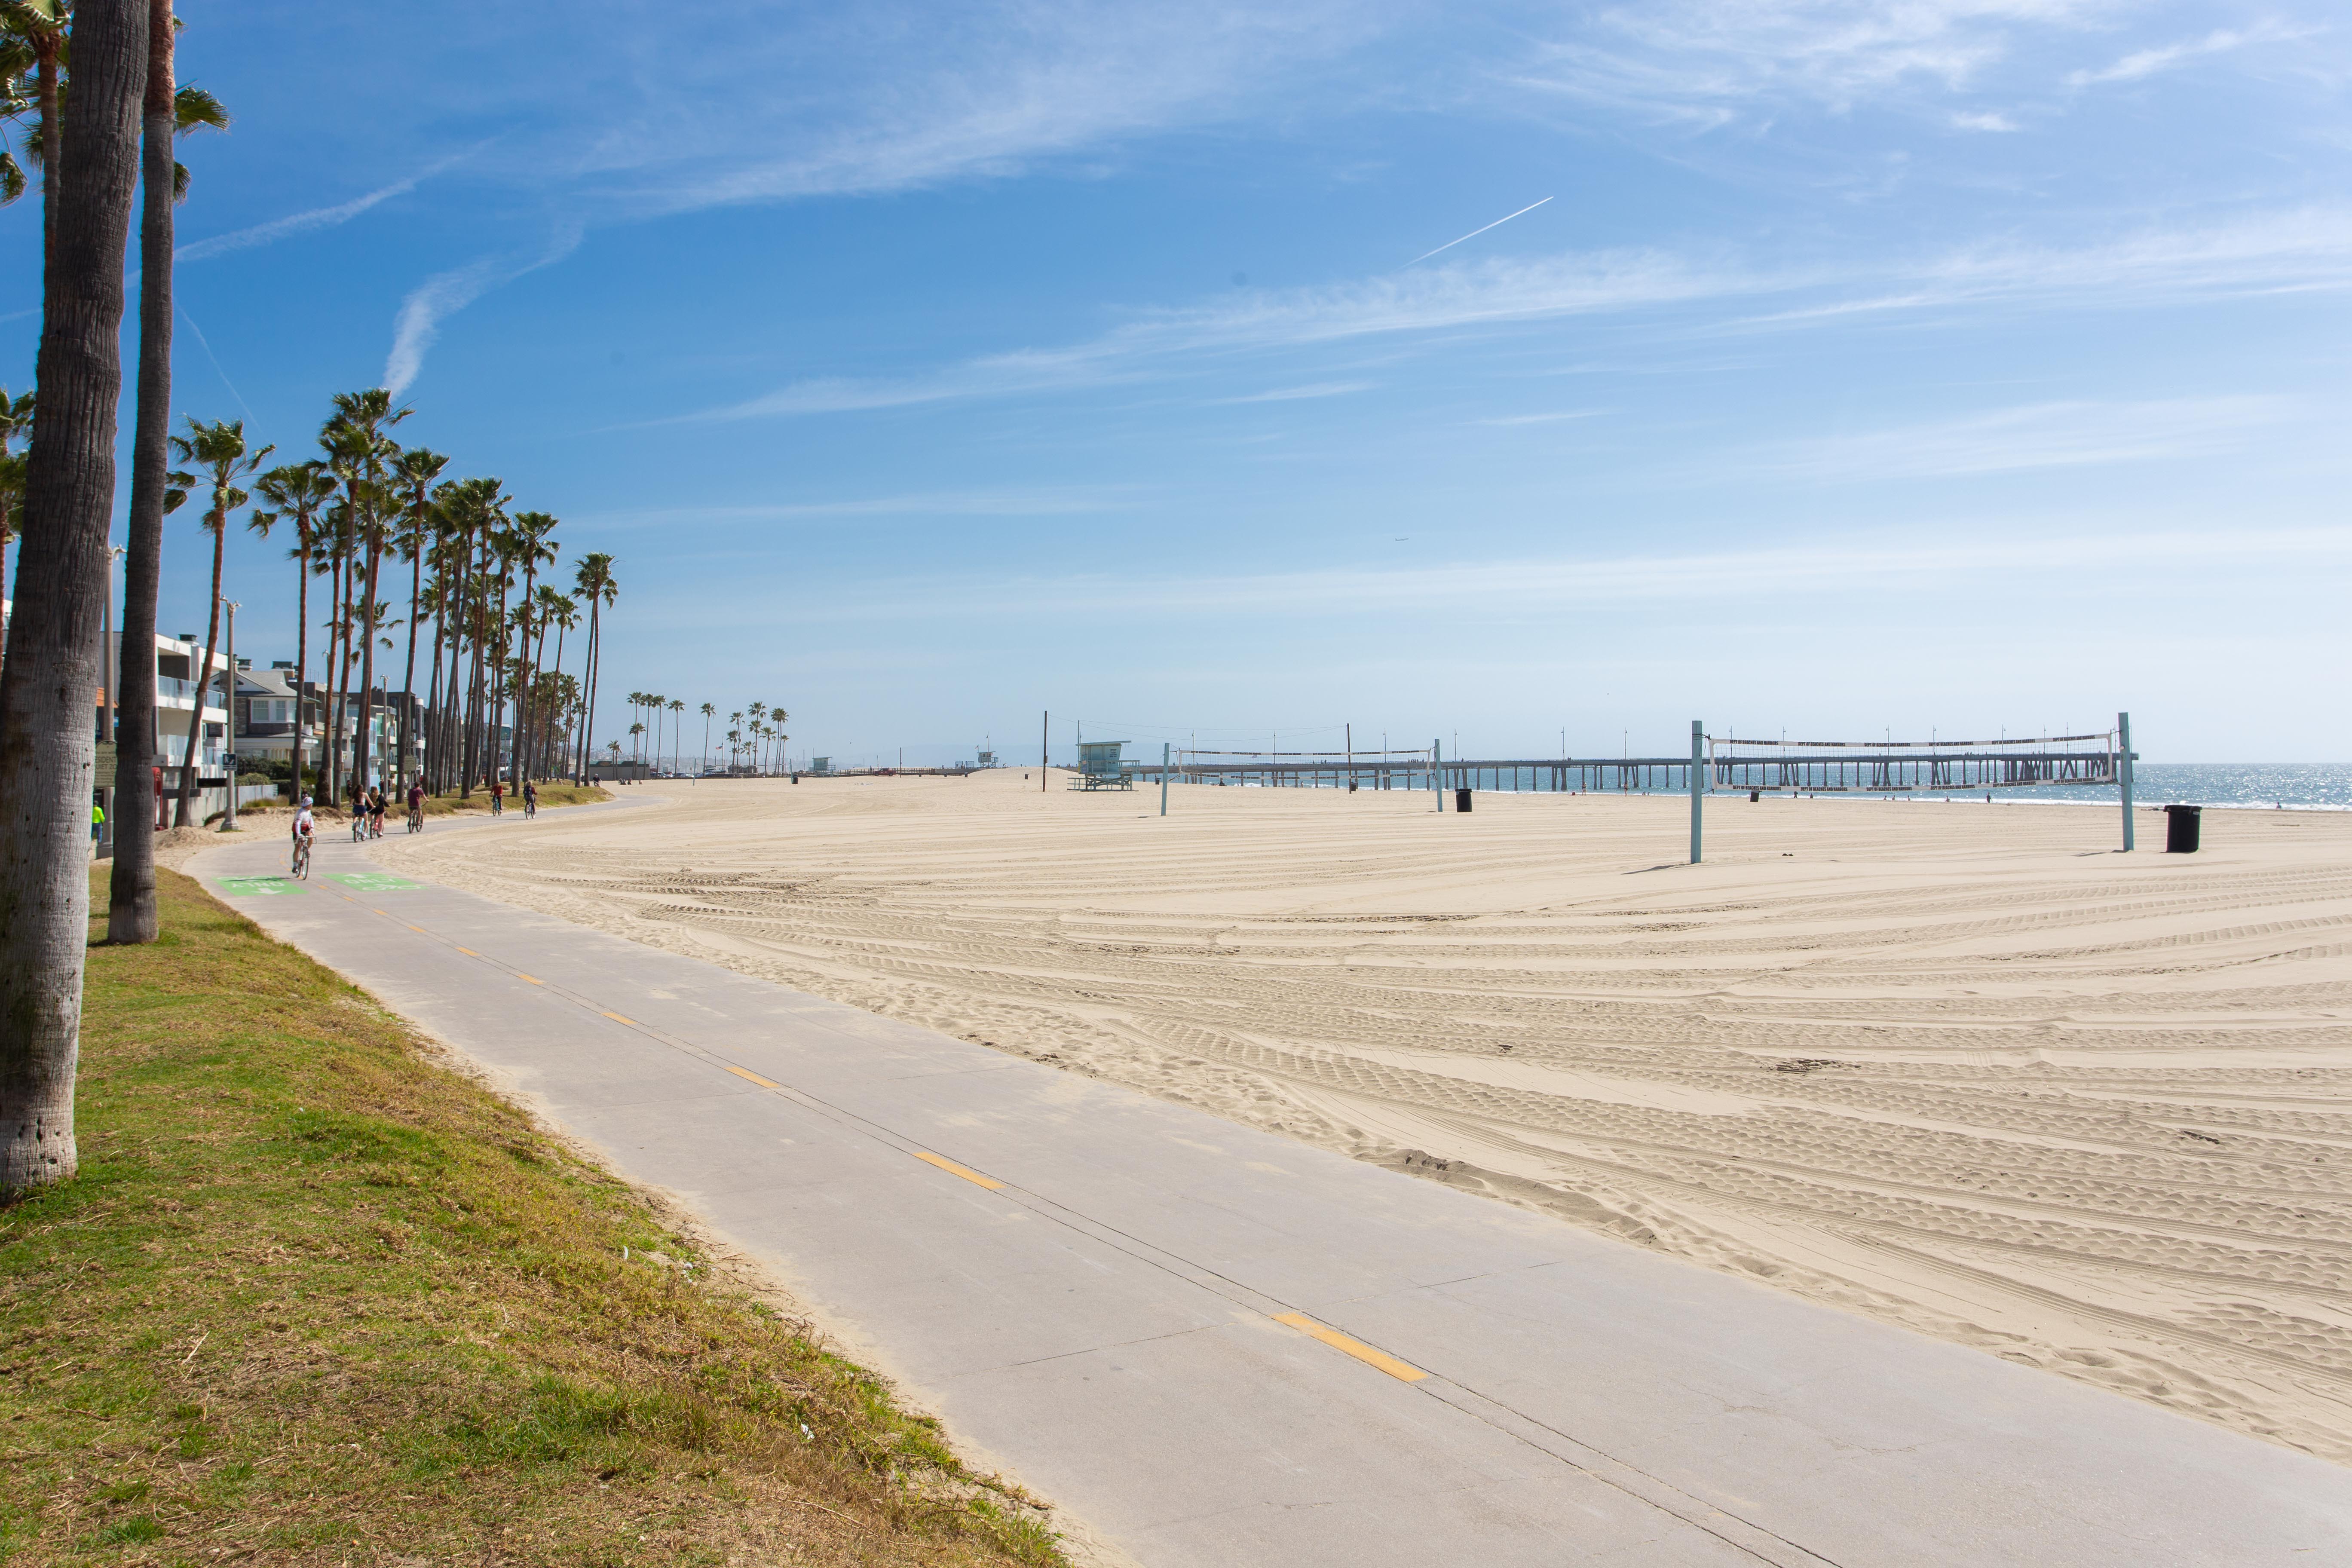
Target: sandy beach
column 1955, row 1067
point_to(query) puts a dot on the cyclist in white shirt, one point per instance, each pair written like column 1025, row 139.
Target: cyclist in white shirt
column 304, row 829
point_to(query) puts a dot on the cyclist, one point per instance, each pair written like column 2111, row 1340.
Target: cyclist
column 530, row 797
column 375, row 804
column 416, row 804
column 303, row 830
column 498, row 798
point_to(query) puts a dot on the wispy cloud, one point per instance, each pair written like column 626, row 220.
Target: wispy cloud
column 1293, row 394
column 2149, row 62
column 444, row 294
column 316, row 218
column 910, row 98
column 1557, row 417
column 1045, row 502
column 2309, row 249
column 1541, row 585
column 2040, row 435
column 1984, row 121
column 1711, row 61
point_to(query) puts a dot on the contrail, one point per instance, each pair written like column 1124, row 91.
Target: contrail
column 1476, row 232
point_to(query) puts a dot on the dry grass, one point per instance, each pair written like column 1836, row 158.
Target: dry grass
column 314, row 1299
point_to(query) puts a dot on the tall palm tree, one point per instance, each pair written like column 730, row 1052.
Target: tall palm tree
column 709, row 712
column 776, row 717
column 297, row 493
column 219, row 449
column 132, row 914
column 413, row 474
column 48, row 686
column 676, row 738
column 551, row 607
column 534, row 546
column 593, row 584
column 361, row 452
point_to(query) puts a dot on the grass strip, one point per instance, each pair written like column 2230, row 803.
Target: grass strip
column 315, row 1299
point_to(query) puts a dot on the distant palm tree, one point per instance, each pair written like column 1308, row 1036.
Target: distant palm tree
column 594, row 584
column 297, row 493
column 533, row 534
column 413, row 474
column 219, row 449
column 708, row 712
column 676, row 738
column 355, row 442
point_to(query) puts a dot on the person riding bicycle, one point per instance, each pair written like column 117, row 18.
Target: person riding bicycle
column 530, row 797
column 498, row 798
column 375, row 809
column 305, row 830
column 415, row 803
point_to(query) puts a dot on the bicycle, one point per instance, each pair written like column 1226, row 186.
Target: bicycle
column 415, row 819
column 301, row 868
column 358, row 827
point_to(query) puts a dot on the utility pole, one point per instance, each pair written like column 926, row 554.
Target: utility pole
column 1163, row 778
column 1045, row 749
column 1437, row 773
column 228, row 822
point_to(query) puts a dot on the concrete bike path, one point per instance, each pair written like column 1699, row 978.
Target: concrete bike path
column 1223, row 1348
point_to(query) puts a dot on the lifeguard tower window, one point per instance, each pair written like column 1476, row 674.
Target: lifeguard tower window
column 1099, row 766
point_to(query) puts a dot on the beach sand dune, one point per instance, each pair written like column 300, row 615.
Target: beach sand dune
column 1955, row 1067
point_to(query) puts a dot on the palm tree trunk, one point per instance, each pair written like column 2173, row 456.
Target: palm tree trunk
column 52, row 157
column 521, row 678
column 408, row 678
column 588, row 714
column 301, row 654
column 360, row 748
column 203, row 681
column 331, row 772
column 130, row 882
column 48, row 689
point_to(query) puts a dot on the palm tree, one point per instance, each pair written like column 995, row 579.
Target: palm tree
column 594, row 584
column 167, row 115
column 413, row 473
column 220, row 448
column 776, row 717
column 353, row 437
column 552, row 608
column 534, row 546
column 677, row 737
column 708, row 712
column 297, row 493
column 48, row 686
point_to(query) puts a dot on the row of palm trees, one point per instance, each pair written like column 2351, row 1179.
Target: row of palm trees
column 756, row 746
column 497, row 704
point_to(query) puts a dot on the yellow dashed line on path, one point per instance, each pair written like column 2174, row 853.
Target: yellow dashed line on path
column 1400, row 1370
column 534, row 979
column 618, row 1018
column 952, row 1169
column 755, row 1077
column 420, row 931
column 469, row 953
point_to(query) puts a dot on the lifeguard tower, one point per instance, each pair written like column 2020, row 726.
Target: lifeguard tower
column 1099, row 766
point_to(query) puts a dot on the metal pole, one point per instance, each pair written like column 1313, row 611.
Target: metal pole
column 1437, row 773
column 2124, row 773
column 1699, row 743
column 1044, row 748
column 1163, row 778
column 228, row 822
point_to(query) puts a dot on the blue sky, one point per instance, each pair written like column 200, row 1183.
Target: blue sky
column 1940, row 363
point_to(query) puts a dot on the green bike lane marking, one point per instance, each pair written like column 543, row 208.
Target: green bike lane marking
column 256, row 887
column 373, row 881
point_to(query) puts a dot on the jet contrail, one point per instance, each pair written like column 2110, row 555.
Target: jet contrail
column 1476, row 232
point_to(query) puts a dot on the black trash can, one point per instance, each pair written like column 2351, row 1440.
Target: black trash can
column 1461, row 800
column 2181, row 828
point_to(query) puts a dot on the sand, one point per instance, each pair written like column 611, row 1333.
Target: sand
column 1954, row 1067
